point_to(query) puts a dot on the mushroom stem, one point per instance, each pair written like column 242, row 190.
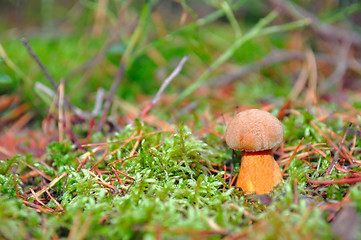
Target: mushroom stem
column 259, row 172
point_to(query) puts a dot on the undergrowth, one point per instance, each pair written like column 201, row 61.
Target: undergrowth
column 167, row 173
column 172, row 190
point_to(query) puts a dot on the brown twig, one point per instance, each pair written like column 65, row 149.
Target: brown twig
column 136, row 143
column 50, row 77
column 81, row 163
column 51, row 184
column 101, row 159
column 125, row 175
column 42, row 173
column 100, row 181
column 349, row 158
column 234, row 179
column 55, row 201
column 347, row 180
column 128, row 139
column 117, row 176
column 293, row 154
column 40, row 64
column 232, row 167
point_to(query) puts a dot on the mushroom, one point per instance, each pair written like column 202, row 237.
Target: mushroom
column 255, row 133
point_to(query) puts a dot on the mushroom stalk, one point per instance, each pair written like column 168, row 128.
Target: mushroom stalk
column 259, row 172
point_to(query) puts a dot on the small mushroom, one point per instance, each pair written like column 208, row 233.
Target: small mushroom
column 256, row 133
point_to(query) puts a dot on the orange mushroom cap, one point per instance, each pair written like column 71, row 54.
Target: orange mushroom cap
column 254, row 130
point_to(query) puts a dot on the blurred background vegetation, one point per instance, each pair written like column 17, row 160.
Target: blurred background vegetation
column 83, row 42
column 298, row 59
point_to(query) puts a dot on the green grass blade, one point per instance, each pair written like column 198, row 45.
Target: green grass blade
column 198, row 23
column 226, row 55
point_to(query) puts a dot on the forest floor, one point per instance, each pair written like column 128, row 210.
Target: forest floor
column 113, row 114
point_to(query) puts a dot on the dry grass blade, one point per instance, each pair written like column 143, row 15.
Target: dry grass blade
column 101, row 159
column 53, row 199
column 128, row 139
column 346, row 156
column 51, row 184
column 136, row 143
column 42, row 173
column 293, row 154
column 125, row 175
column 100, row 181
column 346, row 180
column 335, row 158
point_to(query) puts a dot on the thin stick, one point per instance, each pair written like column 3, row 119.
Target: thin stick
column 96, row 110
column 61, row 122
column 300, row 83
column 128, row 139
column 108, row 102
column 131, row 184
column 335, row 158
column 98, row 102
column 234, row 179
column 62, row 190
column 136, row 143
column 312, row 80
column 168, row 80
column 165, row 83
column 117, row 176
column 37, row 198
column 125, row 175
column 100, row 181
column 101, row 159
column 349, row 158
column 53, row 199
column 293, row 154
column 51, row 93
column 232, row 167
column 295, row 193
column 16, row 186
column 42, row 173
column 318, row 151
column 48, row 75
column 51, row 184
column 346, row 180
column 40, row 64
